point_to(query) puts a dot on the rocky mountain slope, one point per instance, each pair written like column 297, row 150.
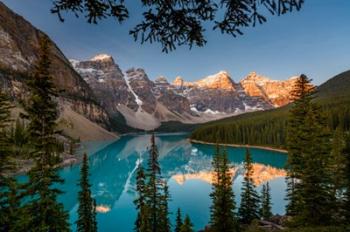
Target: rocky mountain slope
column 146, row 104
column 19, row 45
column 272, row 91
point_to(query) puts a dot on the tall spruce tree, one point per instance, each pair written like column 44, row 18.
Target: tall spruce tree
column 265, row 210
column 318, row 202
column 47, row 214
column 86, row 212
column 178, row 221
column 249, row 207
column 222, row 216
column 346, row 202
column 187, row 225
column 338, row 169
column 153, row 196
column 309, row 182
column 142, row 223
column 164, row 221
column 9, row 202
column 153, row 185
column 302, row 96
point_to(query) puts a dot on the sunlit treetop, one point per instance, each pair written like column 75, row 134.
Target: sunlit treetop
column 174, row 23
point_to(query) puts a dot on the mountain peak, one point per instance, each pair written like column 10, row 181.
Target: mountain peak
column 220, row 80
column 161, row 79
column 253, row 76
column 102, row 57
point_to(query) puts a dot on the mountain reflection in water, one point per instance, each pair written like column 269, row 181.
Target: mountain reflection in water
column 186, row 167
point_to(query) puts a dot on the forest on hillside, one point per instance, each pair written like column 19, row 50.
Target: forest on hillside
column 269, row 128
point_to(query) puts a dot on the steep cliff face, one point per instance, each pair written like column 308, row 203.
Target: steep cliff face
column 19, row 47
column 275, row 92
column 142, row 87
column 107, row 81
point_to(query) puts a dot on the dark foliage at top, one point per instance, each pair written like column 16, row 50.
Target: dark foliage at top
column 174, row 23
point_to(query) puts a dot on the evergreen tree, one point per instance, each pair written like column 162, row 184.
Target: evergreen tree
column 142, row 221
column 315, row 184
column 178, row 221
column 222, row 216
column 187, row 226
column 46, row 213
column 9, row 202
column 309, row 182
column 86, row 212
column 346, row 202
column 302, row 96
column 153, row 196
column 338, row 169
column 249, row 207
column 265, row 211
column 153, row 185
column 164, row 221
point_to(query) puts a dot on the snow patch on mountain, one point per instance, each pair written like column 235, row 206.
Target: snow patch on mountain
column 101, row 57
column 137, row 99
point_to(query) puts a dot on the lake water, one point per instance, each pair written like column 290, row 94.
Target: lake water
column 186, row 167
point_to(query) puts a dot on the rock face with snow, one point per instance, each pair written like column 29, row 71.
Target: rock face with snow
column 275, row 92
column 145, row 104
column 142, row 88
column 219, row 94
column 107, row 82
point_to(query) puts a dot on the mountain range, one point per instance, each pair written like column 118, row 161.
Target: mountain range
column 96, row 97
column 146, row 104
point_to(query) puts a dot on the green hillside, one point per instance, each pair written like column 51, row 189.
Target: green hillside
column 269, row 127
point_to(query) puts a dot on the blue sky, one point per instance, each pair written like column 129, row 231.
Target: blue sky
column 314, row 41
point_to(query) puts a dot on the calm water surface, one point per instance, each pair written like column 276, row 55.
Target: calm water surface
column 186, row 167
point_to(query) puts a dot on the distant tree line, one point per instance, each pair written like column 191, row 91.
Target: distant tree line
column 270, row 128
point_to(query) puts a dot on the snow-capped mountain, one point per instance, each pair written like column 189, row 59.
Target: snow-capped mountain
column 145, row 104
column 275, row 92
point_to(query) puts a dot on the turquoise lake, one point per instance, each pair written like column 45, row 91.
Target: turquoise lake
column 186, row 167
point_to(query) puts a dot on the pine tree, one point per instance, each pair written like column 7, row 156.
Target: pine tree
column 9, row 201
column 346, row 202
column 142, row 221
column 153, row 185
column 315, row 185
column 46, row 213
column 265, row 211
column 164, row 221
column 302, row 96
column 338, row 169
column 249, row 207
column 86, row 212
column 153, row 196
column 222, row 216
column 178, row 221
column 187, row 226
column 309, row 192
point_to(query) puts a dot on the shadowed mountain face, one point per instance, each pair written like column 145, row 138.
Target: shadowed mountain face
column 145, row 104
column 19, row 48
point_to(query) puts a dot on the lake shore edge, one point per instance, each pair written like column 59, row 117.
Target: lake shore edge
column 239, row 145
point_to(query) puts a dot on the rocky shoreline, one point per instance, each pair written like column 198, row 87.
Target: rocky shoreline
column 240, row 145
